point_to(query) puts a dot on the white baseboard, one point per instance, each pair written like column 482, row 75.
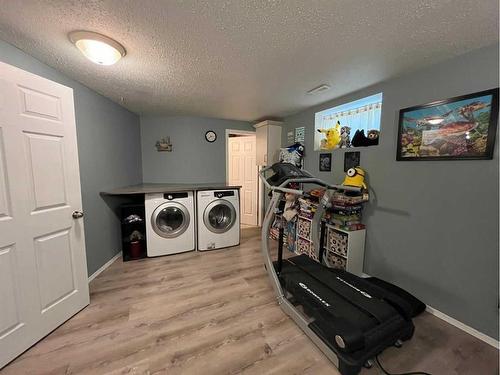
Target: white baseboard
column 104, row 266
column 464, row 327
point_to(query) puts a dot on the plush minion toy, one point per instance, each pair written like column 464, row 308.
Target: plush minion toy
column 355, row 177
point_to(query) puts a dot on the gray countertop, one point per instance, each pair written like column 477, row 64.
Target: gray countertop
column 164, row 188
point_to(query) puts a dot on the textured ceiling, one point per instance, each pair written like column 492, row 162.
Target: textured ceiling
column 246, row 59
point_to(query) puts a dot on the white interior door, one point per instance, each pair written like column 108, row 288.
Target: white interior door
column 43, row 271
column 243, row 171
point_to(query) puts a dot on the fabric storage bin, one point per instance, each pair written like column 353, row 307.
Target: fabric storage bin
column 312, row 253
column 303, row 246
column 336, row 261
column 304, row 228
column 337, row 242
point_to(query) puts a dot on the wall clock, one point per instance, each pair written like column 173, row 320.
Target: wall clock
column 210, row 136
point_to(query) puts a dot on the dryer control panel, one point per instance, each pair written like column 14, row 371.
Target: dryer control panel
column 171, row 196
column 221, row 194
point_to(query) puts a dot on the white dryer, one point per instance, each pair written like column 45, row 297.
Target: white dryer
column 218, row 219
column 170, row 223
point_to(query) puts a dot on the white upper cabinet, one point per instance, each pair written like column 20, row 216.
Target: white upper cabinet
column 268, row 142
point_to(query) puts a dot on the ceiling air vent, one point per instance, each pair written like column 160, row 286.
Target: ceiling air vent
column 319, row 89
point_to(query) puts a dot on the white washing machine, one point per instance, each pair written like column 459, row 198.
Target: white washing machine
column 170, row 223
column 218, row 219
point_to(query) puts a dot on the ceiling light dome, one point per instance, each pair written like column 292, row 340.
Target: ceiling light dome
column 98, row 48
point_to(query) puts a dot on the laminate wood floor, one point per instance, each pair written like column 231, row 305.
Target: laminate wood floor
column 215, row 313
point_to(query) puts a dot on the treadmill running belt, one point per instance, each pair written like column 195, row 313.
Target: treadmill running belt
column 339, row 304
column 341, row 283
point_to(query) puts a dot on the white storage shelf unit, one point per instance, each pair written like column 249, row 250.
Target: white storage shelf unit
column 343, row 249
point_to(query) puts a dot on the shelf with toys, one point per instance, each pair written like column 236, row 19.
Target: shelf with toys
column 342, row 238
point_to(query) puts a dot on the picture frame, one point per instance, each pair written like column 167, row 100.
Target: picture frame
column 458, row 128
column 351, row 160
column 325, row 162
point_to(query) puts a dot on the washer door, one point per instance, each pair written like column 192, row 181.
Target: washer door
column 219, row 216
column 170, row 220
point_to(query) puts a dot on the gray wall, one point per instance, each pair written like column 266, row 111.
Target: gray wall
column 109, row 151
column 432, row 226
column 193, row 159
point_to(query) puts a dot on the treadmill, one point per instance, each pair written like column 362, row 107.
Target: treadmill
column 350, row 319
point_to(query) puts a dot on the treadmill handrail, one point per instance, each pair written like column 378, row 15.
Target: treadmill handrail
column 300, row 180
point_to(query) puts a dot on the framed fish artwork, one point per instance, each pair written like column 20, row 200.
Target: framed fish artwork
column 463, row 127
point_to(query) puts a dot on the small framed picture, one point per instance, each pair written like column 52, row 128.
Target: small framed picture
column 351, row 160
column 457, row 128
column 325, row 162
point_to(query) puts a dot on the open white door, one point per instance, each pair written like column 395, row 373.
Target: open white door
column 243, row 171
column 43, row 271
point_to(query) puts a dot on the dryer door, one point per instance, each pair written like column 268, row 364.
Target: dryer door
column 170, row 220
column 219, row 216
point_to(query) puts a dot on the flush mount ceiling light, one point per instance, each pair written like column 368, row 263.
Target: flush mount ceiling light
column 319, row 89
column 97, row 48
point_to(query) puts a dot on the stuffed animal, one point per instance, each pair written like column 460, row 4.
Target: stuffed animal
column 373, row 137
column 355, row 177
column 292, row 154
column 360, row 139
column 332, row 137
column 345, row 137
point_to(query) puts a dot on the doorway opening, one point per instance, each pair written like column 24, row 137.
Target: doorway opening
column 241, row 170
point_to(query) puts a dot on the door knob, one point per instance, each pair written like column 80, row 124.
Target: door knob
column 77, row 214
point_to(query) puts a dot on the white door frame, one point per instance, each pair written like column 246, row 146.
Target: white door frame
column 226, row 140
